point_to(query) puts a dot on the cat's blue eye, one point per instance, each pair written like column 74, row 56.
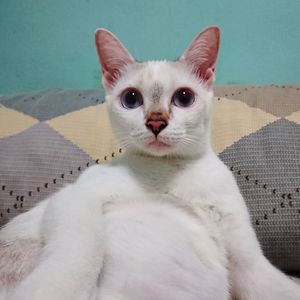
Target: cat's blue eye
column 131, row 98
column 183, row 97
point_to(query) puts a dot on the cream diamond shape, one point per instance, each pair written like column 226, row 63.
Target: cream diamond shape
column 295, row 117
column 89, row 129
column 13, row 122
column 232, row 120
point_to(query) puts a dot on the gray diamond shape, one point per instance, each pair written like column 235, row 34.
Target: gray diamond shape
column 278, row 100
column 48, row 104
column 266, row 165
column 34, row 164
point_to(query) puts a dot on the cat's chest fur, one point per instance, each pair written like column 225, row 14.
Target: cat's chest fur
column 155, row 213
column 197, row 185
column 154, row 250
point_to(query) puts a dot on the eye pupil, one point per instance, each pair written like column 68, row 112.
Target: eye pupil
column 183, row 97
column 131, row 98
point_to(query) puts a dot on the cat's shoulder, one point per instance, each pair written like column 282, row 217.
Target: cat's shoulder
column 102, row 172
column 211, row 168
column 211, row 163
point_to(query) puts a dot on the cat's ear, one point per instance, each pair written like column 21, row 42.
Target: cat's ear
column 113, row 56
column 202, row 54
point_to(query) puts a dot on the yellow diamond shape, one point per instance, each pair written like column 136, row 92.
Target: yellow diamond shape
column 89, row 129
column 295, row 117
column 13, row 122
column 232, row 120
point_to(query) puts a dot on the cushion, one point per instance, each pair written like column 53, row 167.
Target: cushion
column 48, row 138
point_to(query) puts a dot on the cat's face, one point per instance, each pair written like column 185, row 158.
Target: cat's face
column 160, row 108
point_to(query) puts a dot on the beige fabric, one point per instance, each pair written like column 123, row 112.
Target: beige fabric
column 13, row 122
column 295, row 117
column 89, row 129
column 231, row 120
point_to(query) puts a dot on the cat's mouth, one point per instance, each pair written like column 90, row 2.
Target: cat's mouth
column 158, row 143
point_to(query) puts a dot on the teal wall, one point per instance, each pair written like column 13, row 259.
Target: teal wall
column 49, row 43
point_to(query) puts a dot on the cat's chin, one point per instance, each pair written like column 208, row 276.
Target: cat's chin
column 158, row 152
column 158, row 147
column 158, row 144
column 155, row 148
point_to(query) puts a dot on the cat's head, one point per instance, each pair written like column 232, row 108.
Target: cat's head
column 161, row 108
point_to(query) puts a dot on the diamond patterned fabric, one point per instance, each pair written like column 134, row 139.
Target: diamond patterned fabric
column 48, row 138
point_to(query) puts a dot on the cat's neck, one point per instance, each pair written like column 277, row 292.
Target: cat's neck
column 158, row 173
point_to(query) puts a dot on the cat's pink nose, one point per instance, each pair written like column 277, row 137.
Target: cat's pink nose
column 156, row 126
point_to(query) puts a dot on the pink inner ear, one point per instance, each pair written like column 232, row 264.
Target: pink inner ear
column 113, row 56
column 202, row 54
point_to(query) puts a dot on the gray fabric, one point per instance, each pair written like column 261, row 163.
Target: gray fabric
column 45, row 105
column 266, row 165
column 34, row 164
column 278, row 100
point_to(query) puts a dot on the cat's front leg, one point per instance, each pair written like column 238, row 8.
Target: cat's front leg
column 252, row 276
column 71, row 259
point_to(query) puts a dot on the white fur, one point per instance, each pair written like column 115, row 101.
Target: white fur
column 157, row 224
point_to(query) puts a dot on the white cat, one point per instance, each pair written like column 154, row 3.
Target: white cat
column 166, row 221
